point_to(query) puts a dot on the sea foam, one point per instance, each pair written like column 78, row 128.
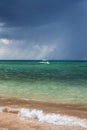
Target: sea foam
column 52, row 118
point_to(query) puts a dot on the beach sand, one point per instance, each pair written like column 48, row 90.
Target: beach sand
column 11, row 121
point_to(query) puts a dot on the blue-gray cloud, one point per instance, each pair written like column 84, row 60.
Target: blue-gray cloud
column 35, row 12
column 53, row 29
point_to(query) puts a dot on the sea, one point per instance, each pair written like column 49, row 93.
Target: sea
column 57, row 82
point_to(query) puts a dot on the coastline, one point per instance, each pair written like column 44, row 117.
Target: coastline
column 11, row 121
column 78, row 110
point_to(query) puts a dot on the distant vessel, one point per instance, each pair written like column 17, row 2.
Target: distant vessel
column 44, row 61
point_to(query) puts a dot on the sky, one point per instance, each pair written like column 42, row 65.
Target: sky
column 38, row 29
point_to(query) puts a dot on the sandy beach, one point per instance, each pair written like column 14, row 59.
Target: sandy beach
column 9, row 120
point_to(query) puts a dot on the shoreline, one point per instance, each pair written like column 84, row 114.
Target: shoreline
column 77, row 110
column 9, row 119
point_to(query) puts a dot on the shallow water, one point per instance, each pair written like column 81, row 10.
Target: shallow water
column 59, row 81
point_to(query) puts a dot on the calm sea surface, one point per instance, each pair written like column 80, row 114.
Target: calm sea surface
column 59, row 81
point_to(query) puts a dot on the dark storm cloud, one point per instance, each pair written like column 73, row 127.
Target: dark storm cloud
column 33, row 12
column 36, row 29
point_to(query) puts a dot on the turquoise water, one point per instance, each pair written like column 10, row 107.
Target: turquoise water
column 59, row 81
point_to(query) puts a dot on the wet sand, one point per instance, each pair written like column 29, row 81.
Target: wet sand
column 78, row 110
column 11, row 121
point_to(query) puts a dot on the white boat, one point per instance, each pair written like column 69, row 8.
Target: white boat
column 44, row 62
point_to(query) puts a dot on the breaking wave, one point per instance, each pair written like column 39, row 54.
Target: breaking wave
column 51, row 118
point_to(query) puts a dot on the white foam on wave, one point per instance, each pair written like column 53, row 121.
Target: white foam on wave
column 52, row 118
